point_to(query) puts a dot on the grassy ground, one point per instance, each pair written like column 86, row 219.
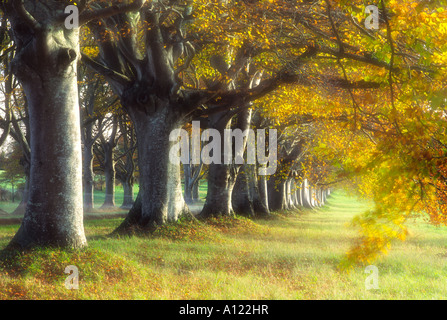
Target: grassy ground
column 293, row 256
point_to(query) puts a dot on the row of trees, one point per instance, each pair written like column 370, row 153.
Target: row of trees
column 346, row 100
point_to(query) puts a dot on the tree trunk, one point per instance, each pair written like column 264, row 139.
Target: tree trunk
column 305, row 194
column 263, row 204
column 247, row 197
column 221, row 181
column 187, row 183
column 160, row 197
column 195, row 191
column 289, row 194
column 54, row 213
column 221, row 176
column 242, row 200
column 109, row 176
column 276, row 187
column 128, row 199
column 88, row 185
column 299, row 194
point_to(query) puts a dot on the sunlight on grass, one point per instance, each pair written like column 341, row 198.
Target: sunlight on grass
column 292, row 256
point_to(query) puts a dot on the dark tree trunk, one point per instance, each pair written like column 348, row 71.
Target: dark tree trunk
column 125, row 168
column 191, row 182
column 195, row 191
column 276, row 187
column 128, row 199
column 187, row 183
column 109, row 176
column 87, row 176
column 221, row 179
column 248, row 199
column 242, row 200
column 221, row 176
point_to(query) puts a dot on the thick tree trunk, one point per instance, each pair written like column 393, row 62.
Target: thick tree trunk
column 276, row 187
column 54, row 213
column 242, row 200
column 221, row 182
column 46, row 65
column 247, row 198
column 160, row 197
column 222, row 177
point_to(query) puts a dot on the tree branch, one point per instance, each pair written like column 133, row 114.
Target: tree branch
column 102, row 13
column 105, row 71
column 24, row 15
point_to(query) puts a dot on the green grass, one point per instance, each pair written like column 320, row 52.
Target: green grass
column 293, row 256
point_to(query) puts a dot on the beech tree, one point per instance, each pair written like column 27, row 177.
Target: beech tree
column 148, row 81
column 45, row 63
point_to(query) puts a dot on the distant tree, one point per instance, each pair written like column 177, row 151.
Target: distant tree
column 13, row 172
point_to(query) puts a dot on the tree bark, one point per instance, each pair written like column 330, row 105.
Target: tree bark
column 242, row 200
column 109, row 175
column 88, row 185
column 191, row 182
column 248, row 199
column 160, row 198
column 188, row 183
column 221, row 176
column 289, row 194
column 46, row 65
column 54, row 213
column 128, row 199
column 276, row 187
column 221, row 179
column 262, row 205
column 305, row 194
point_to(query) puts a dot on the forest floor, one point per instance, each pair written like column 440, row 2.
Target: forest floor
column 291, row 256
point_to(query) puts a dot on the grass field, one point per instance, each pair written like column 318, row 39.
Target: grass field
column 293, row 256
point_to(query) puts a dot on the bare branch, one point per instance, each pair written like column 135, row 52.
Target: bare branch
column 102, row 13
column 26, row 16
column 105, row 71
